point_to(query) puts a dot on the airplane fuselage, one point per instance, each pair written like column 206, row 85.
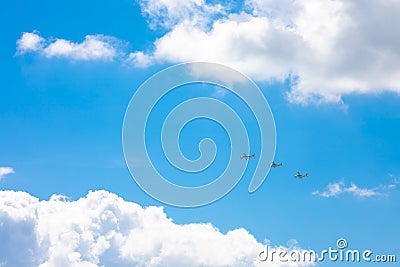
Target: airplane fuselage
column 274, row 165
column 248, row 156
column 299, row 176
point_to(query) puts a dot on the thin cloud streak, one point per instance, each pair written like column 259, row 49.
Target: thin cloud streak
column 337, row 189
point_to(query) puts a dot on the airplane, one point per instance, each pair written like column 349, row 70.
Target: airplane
column 274, row 165
column 300, row 176
column 245, row 156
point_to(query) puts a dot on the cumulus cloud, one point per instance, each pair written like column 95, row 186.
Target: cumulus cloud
column 324, row 49
column 5, row 171
column 29, row 42
column 327, row 49
column 93, row 47
column 102, row 229
column 338, row 188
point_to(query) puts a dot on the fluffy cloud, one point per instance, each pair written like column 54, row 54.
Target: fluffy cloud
column 5, row 171
column 140, row 59
column 94, row 47
column 326, row 48
column 339, row 188
column 29, row 41
column 102, row 229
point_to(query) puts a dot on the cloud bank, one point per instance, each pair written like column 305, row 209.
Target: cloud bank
column 102, row 229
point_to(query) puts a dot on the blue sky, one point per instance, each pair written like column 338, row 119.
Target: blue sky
column 337, row 113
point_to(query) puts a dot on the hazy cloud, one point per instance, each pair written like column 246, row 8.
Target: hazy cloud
column 168, row 13
column 338, row 188
column 5, row 171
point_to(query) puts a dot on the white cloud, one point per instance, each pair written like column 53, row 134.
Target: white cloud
column 29, row 42
column 93, row 47
column 332, row 190
column 139, row 59
column 5, row 171
column 167, row 13
column 361, row 192
column 327, row 48
column 338, row 188
column 102, row 229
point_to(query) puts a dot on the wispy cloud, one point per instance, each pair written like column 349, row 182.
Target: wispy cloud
column 332, row 190
column 167, row 13
column 140, row 59
column 93, row 47
column 338, row 188
column 5, row 171
column 362, row 192
column 102, row 229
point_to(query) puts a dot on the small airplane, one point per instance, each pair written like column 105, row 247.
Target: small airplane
column 245, row 156
column 274, row 165
column 300, row 176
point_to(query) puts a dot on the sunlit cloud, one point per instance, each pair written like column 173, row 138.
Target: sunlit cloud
column 326, row 49
column 102, row 229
